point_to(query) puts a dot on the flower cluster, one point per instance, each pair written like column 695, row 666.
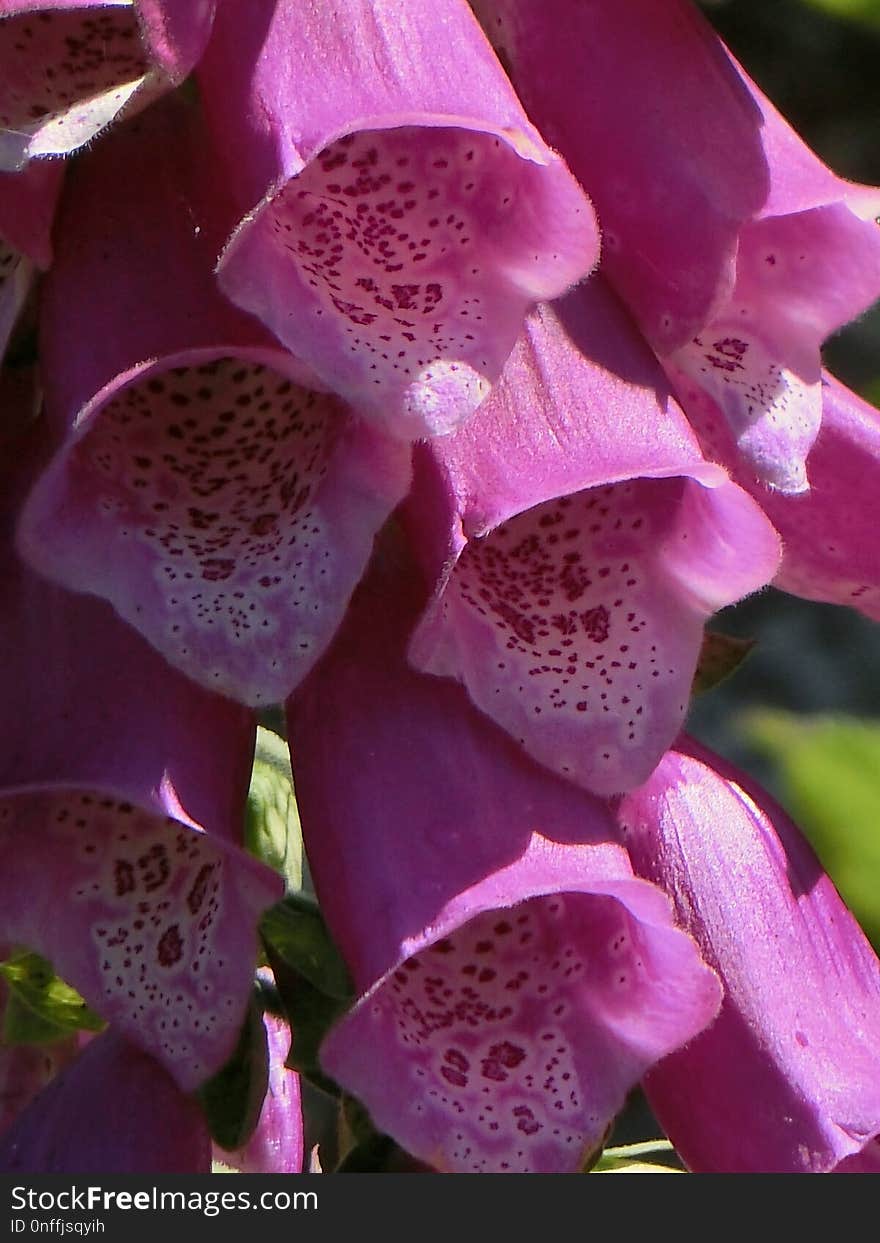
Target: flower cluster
column 434, row 370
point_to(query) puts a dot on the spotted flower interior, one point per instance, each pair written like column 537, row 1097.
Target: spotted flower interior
column 66, row 74
column 509, row 1042
column 199, row 504
column 150, row 920
column 773, row 414
column 411, row 256
column 559, row 622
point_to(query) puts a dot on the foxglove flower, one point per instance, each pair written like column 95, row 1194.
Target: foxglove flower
column 830, row 549
column 398, row 212
column 27, row 206
column 203, row 485
column 787, row 1079
column 104, row 801
column 115, row 1110
column 735, row 248
column 577, row 541
column 276, row 1146
column 514, row 978
column 69, row 67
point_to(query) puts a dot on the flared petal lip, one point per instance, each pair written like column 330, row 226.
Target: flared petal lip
column 166, row 68
column 165, row 802
column 271, row 883
column 608, row 875
column 277, row 359
column 527, row 147
column 474, row 524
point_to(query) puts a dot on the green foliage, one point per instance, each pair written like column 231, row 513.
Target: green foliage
column 41, row 1008
column 867, row 11
column 720, row 656
column 871, row 392
column 311, row 979
column 233, row 1098
column 296, row 932
column 830, row 773
column 653, row 1156
column 310, row 1014
column 272, row 829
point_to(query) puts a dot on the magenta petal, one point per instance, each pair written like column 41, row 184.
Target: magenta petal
column 114, row 1111
column 221, row 504
column 578, row 541
column 737, row 250
column 398, row 211
column 70, row 67
column 276, row 1146
column 800, row 278
column 830, row 536
column 102, row 801
column 674, row 174
column 787, row 1079
column 152, row 921
column 157, row 740
column 830, row 550
column 515, row 978
column 773, row 413
column 806, row 266
column 27, row 205
column 27, row 209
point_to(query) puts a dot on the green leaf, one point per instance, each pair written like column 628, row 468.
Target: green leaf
column 310, row 1014
column 871, row 392
column 371, row 1156
column 272, row 829
column 296, row 932
column 41, row 1008
column 233, row 1098
column 865, row 11
column 355, row 1123
column 653, row 1156
column 830, row 775
column 720, row 655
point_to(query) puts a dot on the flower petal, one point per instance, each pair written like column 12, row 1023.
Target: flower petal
column 830, row 552
column 786, row 1079
column 800, row 278
column 721, row 229
column 808, row 264
column 276, row 1146
column 674, row 174
column 515, row 979
column 222, row 505
column 27, row 205
column 152, row 921
column 398, row 212
column 27, row 209
column 70, row 67
column 103, row 799
column 113, row 1111
column 576, row 623
column 773, row 413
